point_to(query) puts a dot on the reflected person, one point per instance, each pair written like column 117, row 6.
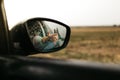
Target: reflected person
column 53, row 41
column 45, row 43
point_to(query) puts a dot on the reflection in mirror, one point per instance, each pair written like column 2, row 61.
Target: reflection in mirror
column 46, row 35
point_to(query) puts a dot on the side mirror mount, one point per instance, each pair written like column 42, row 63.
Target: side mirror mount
column 39, row 35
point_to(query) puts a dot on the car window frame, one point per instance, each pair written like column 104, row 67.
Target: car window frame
column 5, row 42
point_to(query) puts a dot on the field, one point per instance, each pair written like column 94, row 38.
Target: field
column 99, row 44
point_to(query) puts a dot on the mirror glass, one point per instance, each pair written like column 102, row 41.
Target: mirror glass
column 46, row 35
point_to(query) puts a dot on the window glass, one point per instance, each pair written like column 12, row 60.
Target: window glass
column 95, row 25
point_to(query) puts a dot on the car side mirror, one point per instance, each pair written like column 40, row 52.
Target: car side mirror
column 39, row 35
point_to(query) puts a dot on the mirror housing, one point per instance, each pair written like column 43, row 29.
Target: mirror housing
column 39, row 35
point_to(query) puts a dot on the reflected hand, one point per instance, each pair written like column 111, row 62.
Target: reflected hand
column 54, row 37
column 50, row 37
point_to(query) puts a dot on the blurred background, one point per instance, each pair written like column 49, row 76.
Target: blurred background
column 95, row 26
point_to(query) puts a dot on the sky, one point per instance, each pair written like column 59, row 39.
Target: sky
column 70, row 12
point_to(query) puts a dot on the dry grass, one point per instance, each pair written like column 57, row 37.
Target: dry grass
column 100, row 44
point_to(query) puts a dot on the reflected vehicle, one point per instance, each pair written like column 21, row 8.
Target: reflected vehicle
column 45, row 35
